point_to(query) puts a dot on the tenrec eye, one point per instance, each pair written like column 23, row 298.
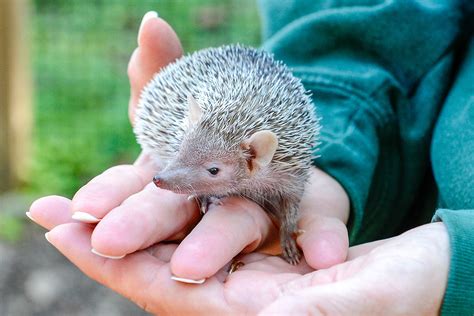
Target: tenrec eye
column 213, row 170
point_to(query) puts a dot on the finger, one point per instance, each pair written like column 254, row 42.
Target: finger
column 226, row 230
column 51, row 211
column 158, row 45
column 145, row 218
column 73, row 241
column 109, row 189
column 324, row 242
column 324, row 210
column 140, row 277
column 132, row 272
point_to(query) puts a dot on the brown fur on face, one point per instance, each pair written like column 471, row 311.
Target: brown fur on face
column 189, row 172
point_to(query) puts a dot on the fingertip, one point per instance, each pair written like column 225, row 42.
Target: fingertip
column 148, row 16
column 325, row 241
column 191, row 260
column 157, row 36
column 110, row 238
column 40, row 204
column 50, row 211
column 145, row 218
column 65, row 235
column 158, row 45
column 90, row 199
column 109, row 189
column 323, row 249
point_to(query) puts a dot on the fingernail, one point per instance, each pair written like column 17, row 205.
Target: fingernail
column 149, row 15
column 28, row 214
column 190, row 281
column 106, row 256
column 47, row 237
column 85, row 217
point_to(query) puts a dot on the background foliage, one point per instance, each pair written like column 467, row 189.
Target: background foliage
column 80, row 51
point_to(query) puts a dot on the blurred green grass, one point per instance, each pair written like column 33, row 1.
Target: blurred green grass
column 80, row 51
column 11, row 228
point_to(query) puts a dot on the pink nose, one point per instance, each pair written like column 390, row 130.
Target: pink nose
column 157, row 181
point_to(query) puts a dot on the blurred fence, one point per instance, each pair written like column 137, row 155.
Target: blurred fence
column 80, row 52
column 15, row 93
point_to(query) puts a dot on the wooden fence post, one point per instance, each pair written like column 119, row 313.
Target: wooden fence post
column 15, row 93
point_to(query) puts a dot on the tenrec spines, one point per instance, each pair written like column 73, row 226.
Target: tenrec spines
column 241, row 90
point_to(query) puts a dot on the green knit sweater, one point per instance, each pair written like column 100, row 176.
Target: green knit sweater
column 386, row 76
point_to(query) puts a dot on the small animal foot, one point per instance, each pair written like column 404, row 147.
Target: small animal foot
column 215, row 200
column 204, row 207
column 291, row 253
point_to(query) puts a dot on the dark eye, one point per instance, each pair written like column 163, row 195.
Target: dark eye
column 213, row 170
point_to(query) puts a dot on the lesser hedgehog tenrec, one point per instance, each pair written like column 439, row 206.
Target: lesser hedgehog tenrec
column 231, row 121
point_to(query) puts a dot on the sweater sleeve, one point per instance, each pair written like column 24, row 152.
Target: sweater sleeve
column 378, row 72
column 459, row 296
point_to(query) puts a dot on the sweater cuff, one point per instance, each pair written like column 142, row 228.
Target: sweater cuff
column 459, row 296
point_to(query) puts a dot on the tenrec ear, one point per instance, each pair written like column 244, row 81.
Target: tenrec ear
column 262, row 146
column 195, row 111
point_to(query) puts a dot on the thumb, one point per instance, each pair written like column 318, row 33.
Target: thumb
column 324, row 210
column 158, row 45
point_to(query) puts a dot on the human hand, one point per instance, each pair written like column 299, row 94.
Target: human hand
column 405, row 275
column 133, row 214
